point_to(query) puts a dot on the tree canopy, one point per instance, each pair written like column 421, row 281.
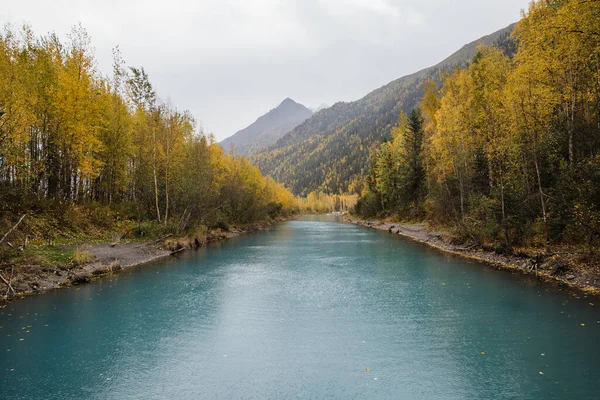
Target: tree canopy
column 69, row 135
column 511, row 145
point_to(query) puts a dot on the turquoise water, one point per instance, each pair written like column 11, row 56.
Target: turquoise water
column 313, row 309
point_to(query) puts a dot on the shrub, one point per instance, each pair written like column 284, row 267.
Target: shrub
column 368, row 205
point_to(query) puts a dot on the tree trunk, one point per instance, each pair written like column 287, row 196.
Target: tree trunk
column 167, row 192
column 462, row 196
column 542, row 200
column 504, row 227
column 154, row 173
column 572, row 119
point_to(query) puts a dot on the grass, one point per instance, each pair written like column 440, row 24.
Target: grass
column 44, row 256
column 53, row 245
column 81, row 257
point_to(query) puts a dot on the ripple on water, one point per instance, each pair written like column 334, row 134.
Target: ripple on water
column 311, row 309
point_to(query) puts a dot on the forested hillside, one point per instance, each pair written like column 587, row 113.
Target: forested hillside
column 267, row 129
column 69, row 136
column 508, row 149
column 329, row 152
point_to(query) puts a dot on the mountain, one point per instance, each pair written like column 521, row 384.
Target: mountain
column 330, row 151
column 321, row 107
column 268, row 128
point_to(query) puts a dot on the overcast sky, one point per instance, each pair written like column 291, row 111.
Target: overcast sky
column 230, row 61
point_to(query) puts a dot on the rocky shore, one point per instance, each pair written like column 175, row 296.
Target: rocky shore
column 553, row 268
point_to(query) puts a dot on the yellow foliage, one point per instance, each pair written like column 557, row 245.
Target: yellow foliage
column 68, row 133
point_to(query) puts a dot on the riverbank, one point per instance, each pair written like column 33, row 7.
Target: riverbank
column 555, row 268
column 98, row 259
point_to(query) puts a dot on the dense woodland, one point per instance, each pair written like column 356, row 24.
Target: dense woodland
column 71, row 137
column 507, row 150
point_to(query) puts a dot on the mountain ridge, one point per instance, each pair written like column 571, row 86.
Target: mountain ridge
column 329, row 151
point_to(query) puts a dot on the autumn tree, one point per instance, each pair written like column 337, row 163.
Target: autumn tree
column 70, row 136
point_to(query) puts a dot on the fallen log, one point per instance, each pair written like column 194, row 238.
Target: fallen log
column 471, row 247
column 160, row 239
column 13, row 228
column 8, row 283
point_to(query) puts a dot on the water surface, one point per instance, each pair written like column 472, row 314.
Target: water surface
column 311, row 309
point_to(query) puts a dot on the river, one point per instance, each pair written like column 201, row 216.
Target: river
column 311, row 309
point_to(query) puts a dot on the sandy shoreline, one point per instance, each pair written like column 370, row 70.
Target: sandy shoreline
column 580, row 279
column 109, row 258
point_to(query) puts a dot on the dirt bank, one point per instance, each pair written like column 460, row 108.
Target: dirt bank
column 553, row 268
column 104, row 258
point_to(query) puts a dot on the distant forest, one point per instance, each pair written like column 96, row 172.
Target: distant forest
column 507, row 150
column 329, row 152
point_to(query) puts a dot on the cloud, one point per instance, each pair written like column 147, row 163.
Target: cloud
column 399, row 13
column 229, row 61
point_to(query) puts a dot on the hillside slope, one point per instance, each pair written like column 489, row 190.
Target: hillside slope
column 329, row 152
column 268, row 128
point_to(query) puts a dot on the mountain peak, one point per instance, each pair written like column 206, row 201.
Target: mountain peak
column 268, row 128
column 289, row 103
